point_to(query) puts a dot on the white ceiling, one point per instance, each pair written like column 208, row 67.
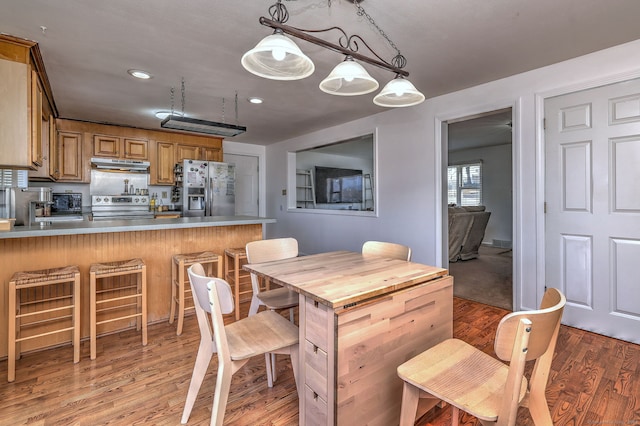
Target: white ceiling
column 89, row 45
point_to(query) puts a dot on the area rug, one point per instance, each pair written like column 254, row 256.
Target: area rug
column 487, row 279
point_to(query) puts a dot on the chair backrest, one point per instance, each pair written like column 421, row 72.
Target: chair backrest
column 200, row 291
column 272, row 249
column 213, row 296
column 268, row 251
column 525, row 336
column 378, row 248
column 545, row 324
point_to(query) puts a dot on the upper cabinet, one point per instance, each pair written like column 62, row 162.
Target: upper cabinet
column 79, row 141
column 120, row 147
column 26, row 107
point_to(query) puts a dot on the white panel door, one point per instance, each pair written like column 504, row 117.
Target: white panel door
column 592, row 194
column 246, row 183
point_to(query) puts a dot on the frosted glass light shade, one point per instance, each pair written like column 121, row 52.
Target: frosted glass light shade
column 348, row 78
column 399, row 92
column 277, row 57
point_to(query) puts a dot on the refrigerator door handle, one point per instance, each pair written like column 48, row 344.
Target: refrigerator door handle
column 210, row 199
column 206, row 196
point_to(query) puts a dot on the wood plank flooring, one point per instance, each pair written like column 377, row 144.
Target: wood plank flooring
column 594, row 380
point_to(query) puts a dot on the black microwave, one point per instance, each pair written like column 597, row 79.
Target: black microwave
column 66, row 203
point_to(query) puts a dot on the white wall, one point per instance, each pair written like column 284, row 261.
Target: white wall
column 411, row 165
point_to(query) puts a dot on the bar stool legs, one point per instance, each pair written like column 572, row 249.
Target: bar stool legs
column 234, row 258
column 43, row 299
column 118, row 294
column 179, row 291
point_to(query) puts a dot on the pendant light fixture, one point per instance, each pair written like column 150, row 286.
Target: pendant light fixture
column 399, row 92
column 348, row 78
column 277, row 57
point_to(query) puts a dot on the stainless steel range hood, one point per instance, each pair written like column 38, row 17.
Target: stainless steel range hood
column 115, row 164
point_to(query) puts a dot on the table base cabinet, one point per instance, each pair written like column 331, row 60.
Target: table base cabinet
column 349, row 355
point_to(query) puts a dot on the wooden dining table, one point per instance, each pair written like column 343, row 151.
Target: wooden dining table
column 360, row 317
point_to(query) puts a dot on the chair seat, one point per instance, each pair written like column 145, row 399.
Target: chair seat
column 32, row 277
column 479, row 378
column 116, row 267
column 279, row 298
column 200, row 257
column 264, row 332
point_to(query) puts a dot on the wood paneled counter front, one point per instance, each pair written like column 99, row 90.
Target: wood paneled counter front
column 83, row 243
column 360, row 318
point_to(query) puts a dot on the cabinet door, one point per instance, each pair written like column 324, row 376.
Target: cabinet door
column 54, row 167
column 187, row 152
column 212, row 154
column 136, row 149
column 106, row 146
column 70, row 156
column 164, row 163
column 36, row 120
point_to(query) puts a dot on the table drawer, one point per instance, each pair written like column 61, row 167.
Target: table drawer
column 316, row 369
column 316, row 410
column 316, row 323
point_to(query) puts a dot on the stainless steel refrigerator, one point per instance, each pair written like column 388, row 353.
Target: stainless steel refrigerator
column 208, row 188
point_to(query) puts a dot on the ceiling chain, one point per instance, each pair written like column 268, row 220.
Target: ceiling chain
column 361, row 12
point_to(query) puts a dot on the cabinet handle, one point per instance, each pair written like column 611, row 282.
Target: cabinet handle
column 315, row 349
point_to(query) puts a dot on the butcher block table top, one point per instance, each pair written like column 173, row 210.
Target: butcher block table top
column 342, row 278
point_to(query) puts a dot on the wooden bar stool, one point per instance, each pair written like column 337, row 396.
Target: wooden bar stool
column 121, row 293
column 46, row 302
column 239, row 279
column 179, row 291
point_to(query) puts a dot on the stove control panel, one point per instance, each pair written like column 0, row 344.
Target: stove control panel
column 119, row 200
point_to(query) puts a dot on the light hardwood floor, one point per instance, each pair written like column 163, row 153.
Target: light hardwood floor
column 594, row 380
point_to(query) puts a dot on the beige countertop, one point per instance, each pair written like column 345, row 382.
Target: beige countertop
column 107, row 226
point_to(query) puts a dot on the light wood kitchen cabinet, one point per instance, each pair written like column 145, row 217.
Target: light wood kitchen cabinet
column 211, row 154
column 120, row 147
column 69, row 157
column 187, row 152
column 36, row 121
column 25, row 95
column 47, row 135
column 54, row 163
column 197, row 152
column 162, row 149
column 162, row 167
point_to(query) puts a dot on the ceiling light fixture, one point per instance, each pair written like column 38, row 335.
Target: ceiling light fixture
column 180, row 122
column 142, row 75
column 164, row 114
column 277, row 57
column 255, row 100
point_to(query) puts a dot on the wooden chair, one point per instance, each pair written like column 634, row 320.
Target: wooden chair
column 235, row 344
column 273, row 299
column 481, row 385
column 378, row 248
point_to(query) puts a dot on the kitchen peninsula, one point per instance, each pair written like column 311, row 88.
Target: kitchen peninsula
column 86, row 242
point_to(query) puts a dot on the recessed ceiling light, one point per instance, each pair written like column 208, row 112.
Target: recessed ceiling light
column 255, row 100
column 164, row 114
column 139, row 74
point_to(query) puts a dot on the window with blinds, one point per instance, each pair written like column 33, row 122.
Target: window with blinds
column 465, row 184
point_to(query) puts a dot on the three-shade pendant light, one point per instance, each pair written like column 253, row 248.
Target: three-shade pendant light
column 277, row 57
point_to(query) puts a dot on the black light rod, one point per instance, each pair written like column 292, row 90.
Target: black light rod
column 336, row 48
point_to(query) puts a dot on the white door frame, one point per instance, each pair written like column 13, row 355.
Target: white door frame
column 441, row 148
column 541, row 166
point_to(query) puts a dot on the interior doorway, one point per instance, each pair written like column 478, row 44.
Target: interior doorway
column 480, row 206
